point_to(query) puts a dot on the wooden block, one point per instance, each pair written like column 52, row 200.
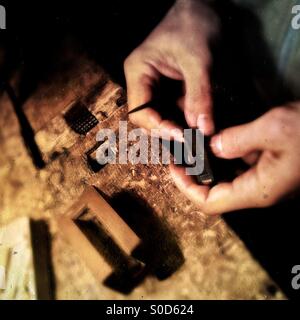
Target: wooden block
column 206, row 177
column 92, row 209
column 121, row 233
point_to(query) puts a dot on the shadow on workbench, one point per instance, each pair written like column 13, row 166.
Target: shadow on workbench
column 42, row 261
column 271, row 236
column 159, row 249
column 158, row 254
column 127, row 271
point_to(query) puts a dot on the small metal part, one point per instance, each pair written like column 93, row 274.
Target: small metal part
column 91, row 155
column 91, row 158
column 80, row 119
column 206, row 177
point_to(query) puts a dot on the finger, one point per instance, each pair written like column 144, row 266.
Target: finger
column 198, row 102
column 196, row 193
column 253, row 189
column 244, row 192
column 140, row 77
column 249, row 190
column 139, row 80
column 241, row 140
column 224, row 197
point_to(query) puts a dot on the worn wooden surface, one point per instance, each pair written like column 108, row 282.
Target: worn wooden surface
column 19, row 282
column 216, row 263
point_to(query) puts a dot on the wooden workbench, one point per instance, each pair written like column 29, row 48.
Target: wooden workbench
column 209, row 260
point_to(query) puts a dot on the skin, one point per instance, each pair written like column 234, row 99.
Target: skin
column 270, row 144
column 177, row 48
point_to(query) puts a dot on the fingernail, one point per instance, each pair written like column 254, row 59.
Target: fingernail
column 205, row 124
column 216, row 144
column 191, row 119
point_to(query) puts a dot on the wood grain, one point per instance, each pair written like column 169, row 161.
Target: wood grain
column 216, row 265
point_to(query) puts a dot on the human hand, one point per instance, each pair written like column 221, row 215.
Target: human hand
column 271, row 144
column 178, row 48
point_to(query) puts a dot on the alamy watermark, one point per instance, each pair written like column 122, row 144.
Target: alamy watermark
column 2, row 17
column 134, row 147
column 296, row 278
column 296, row 17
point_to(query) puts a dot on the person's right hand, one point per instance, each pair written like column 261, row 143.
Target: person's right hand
column 178, row 48
column 271, row 145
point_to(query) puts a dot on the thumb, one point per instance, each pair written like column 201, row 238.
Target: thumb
column 238, row 141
